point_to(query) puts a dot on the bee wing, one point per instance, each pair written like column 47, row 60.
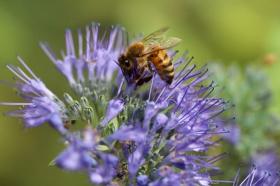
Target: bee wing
column 169, row 42
column 155, row 35
column 161, row 44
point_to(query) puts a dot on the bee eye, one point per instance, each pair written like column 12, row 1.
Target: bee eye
column 126, row 62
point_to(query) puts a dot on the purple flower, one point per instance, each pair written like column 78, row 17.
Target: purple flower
column 98, row 57
column 259, row 177
column 129, row 133
column 41, row 104
column 142, row 180
column 77, row 155
column 114, row 107
column 166, row 176
column 234, row 134
column 156, row 132
column 105, row 172
column 264, row 172
column 82, row 154
column 188, row 126
column 267, row 160
column 75, row 158
column 137, row 158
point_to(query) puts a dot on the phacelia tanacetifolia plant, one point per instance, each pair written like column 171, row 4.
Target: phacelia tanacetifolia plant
column 155, row 134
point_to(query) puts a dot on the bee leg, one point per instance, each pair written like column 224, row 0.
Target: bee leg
column 148, row 78
column 139, row 82
column 144, row 78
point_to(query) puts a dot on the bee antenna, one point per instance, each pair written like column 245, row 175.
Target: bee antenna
column 115, row 61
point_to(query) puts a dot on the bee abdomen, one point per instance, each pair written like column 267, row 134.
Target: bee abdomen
column 163, row 65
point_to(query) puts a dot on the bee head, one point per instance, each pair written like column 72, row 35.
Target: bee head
column 124, row 63
column 126, row 66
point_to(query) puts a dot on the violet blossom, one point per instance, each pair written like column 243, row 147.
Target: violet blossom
column 159, row 135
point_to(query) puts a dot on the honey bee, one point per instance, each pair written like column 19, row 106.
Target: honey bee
column 143, row 57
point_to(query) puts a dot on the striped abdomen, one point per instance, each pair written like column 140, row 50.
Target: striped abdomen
column 163, row 65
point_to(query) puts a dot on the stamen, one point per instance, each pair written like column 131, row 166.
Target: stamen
column 185, row 66
column 236, row 178
column 48, row 51
column 177, row 107
column 253, row 176
column 182, row 79
column 27, row 68
column 214, row 133
column 94, row 30
column 112, row 38
column 182, row 59
column 23, row 74
column 103, row 41
column 14, row 71
column 201, row 77
column 88, row 47
column 120, row 87
column 160, row 94
column 80, row 41
column 196, row 105
column 247, row 177
column 221, row 181
column 70, row 50
column 151, row 87
column 217, row 158
column 15, row 104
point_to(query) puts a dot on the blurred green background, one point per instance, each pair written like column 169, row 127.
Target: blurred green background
column 229, row 32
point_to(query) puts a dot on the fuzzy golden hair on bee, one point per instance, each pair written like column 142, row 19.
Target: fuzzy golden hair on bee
column 148, row 55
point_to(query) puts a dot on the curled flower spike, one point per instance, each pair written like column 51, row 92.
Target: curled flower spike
column 41, row 104
column 259, row 177
column 186, row 127
column 157, row 134
column 264, row 172
column 98, row 57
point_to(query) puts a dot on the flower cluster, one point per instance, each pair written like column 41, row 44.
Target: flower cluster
column 40, row 105
column 259, row 176
column 156, row 135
